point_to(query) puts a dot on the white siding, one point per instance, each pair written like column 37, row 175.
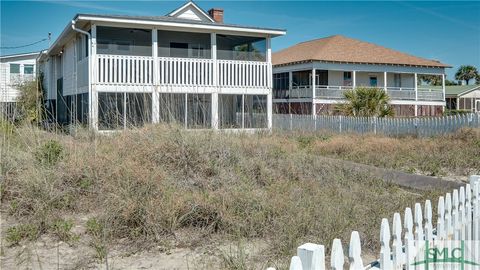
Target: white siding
column 8, row 82
column 335, row 78
column 473, row 94
column 69, row 65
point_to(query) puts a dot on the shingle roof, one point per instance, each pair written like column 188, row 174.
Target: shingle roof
column 173, row 19
column 343, row 49
column 454, row 90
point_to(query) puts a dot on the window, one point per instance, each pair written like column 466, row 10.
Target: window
column 27, row 69
column 121, row 110
column 172, row 108
column 199, row 110
column 241, row 48
column 397, row 80
column 243, row 111
column 255, row 111
column 124, row 45
column 280, row 85
column 373, row 81
column 347, row 78
column 230, row 112
column 197, row 51
column 178, row 49
column 14, row 68
column 138, row 109
column 110, row 111
column 184, row 44
column 124, row 41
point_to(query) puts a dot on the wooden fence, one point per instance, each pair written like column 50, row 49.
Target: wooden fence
column 458, row 220
column 423, row 127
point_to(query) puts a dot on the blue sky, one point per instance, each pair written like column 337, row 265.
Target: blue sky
column 446, row 31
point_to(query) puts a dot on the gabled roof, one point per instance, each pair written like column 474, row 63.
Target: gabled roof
column 171, row 21
column 347, row 50
column 19, row 55
column 191, row 11
column 459, row 90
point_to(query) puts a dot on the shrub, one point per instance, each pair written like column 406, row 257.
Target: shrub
column 49, row 153
column 62, row 229
column 16, row 234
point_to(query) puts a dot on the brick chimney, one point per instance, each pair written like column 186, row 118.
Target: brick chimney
column 216, row 14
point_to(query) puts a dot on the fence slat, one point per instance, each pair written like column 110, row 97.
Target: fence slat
column 337, row 259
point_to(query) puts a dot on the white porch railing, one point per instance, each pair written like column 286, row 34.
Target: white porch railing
column 135, row 70
column 457, row 227
column 186, row 71
column 395, row 93
column 301, row 91
column 430, row 94
column 82, row 72
column 243, row 73
column 331, row 91
column 401, row 93
column 124, row 69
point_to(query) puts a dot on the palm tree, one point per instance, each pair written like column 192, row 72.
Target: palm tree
column 466, row 73
column 366, row 102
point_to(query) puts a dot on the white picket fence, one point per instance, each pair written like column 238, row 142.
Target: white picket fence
column 422, row 126
column 458, row 220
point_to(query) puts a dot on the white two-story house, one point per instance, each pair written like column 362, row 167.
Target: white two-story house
column 15, row 69
column 311, row 77
column 188, row 67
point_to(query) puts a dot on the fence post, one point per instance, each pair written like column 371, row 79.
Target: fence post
column 312, row 256
column 441, row 219
column 375, row 125
column 409, row 242
column 468, row 211
column 340, row 123
column 295, row 263
column 385, row 262
column 291, row 122
column 428, row 221
column 337, row 260
column 398, row 257
column 355, row 252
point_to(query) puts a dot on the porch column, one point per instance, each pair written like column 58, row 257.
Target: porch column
column 213, row 41
column 93, row 95
column 354, row 79
column 290, row 80
column 443, row 90
column 290, row 86
column 314, row 83
column 269, row 83
column 156, row 81
column 385, row 81
column 415, row 80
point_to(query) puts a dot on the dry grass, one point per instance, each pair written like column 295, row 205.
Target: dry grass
column 148, row 186
column 455, row 154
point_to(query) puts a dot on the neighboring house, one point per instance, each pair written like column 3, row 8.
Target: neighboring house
column 15, row 69
column 311, row 77
column 463, row 97
column 187, row 67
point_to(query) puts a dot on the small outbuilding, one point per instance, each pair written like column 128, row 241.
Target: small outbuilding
column 463, row 97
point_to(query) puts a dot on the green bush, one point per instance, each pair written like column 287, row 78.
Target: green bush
column 49, row 153
column 16, row 234
column 62, row 229
column 456, row 112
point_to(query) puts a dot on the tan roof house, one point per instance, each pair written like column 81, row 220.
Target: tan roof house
column 310, row 77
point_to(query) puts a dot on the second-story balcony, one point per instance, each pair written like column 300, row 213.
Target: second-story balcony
column 298, row 85
column 179, row 59
column 140, row 70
